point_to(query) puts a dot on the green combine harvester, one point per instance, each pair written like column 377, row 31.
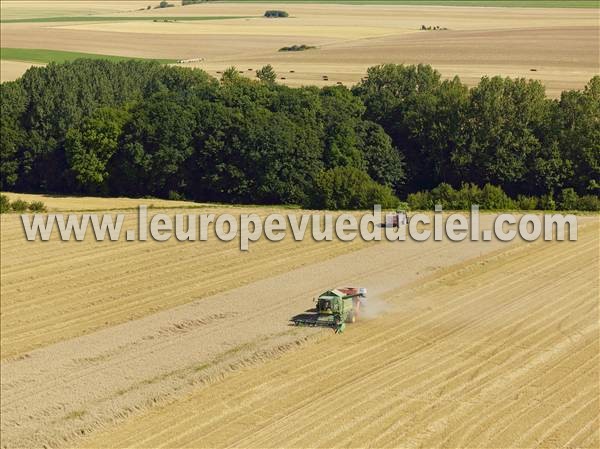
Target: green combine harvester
column 335, row 308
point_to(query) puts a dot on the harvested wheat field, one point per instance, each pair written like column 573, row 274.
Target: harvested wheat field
column 13, row 69
column 500, row 352
column 558, row 46
column 188, row 344
column 22, row 9
column 75, row 292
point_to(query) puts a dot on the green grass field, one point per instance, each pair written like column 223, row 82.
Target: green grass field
column 46, row 56
column 497, row 3
column 117, row 19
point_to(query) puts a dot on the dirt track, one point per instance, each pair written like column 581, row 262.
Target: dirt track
column 500, row 353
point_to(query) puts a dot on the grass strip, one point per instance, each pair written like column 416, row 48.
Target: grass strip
column 45, row 56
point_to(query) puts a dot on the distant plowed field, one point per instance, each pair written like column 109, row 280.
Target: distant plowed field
column 502, row 352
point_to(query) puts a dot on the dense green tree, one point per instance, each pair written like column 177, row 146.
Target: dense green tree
column 387, row 87
column 505, row 120
column 266, row 74
column 384, row 163
column 434, row 122
column 240, row 92
column 61, row 96
column 91, row 146
column 156, row 143
column 255, row 155
column 341, row 113
column 12, row 135
column 424, row 117
column 579, row 124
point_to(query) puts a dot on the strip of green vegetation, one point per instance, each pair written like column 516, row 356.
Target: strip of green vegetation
column 20, row 206
column 497, row 3
column 302, row 47
column 118, row 19
column 46, row 56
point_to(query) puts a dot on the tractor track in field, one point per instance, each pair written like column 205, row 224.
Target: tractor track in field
column 506, row 357
column 75, row 386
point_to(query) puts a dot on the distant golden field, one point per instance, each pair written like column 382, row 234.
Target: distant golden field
column 557, row 46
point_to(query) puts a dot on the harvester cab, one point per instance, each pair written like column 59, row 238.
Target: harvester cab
column 334, row 308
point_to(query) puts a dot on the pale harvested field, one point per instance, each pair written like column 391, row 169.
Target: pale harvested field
column 502, row 352
column 561, row 44
column 53, row 291
column 101, row 336
column 20, row 9
column 11, row 70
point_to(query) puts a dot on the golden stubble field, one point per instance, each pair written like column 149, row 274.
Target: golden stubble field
column 557, row 46
column 501, row 352
column 147, row 344
column 55, row 290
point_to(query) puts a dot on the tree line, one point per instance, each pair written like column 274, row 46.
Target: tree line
column 138, row 128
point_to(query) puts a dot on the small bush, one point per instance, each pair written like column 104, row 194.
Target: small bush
column 568, row 199
column 165, row 4
column 526, row 202
column 379, row 194
column 297, row 48
column 420, row 201
column 37, row 206
column 4, row 204
column 19, row 206
column 273, row 13
column 589, row 203
column 493, row 197
column 402, row 205
column 547, row 202
column 445, row 195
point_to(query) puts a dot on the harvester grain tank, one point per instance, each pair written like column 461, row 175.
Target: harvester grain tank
column 334, row 308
